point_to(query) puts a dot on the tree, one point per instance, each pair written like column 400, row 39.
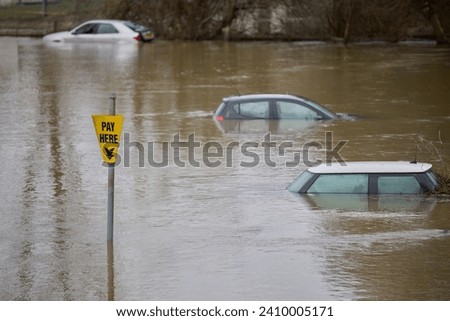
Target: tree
column 340, row 19
column 349, row 20
column 384, row 18
column 431, row 13
column 179, row 19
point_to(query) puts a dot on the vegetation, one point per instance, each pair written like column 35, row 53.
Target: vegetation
column 348, row 20
column 345, row 19
column 55, row 9
column 441, row 161
column 442, row 172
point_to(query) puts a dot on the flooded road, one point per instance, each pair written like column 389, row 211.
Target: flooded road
column 216, row 224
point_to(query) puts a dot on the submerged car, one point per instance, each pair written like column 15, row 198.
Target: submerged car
column 366, row 178
column 271, row 106
column 104, row 31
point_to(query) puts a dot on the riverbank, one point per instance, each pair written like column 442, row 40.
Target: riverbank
column 32, row 27
column 39, row 27
column 273, row 22
column 32, row 21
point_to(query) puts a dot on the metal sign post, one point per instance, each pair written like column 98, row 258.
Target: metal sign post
column 44, row 7
column 110, row 224
column 108, row 129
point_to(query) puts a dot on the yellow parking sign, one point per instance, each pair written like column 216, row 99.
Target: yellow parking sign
column 108, row 129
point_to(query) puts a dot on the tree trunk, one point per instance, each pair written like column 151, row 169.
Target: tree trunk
column 348, row 22
column 441, row 38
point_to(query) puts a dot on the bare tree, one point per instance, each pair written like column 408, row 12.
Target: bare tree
column 389, row 19
column 431, row 13
column 304, row 18
column 179, row 19
column 288, row 19
column 196, row 19
column 340, row 19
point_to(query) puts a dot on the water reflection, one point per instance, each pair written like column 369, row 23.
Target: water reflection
column 378, row 243
column 110, row 268
column 121, row 54
column 284, row 127
column 368, row 203
column 378, row 252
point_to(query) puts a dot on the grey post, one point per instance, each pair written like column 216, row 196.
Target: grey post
column 110, row 224
column 44, row 7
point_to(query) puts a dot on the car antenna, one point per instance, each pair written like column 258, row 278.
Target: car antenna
column 237, row 90
column 415, row 154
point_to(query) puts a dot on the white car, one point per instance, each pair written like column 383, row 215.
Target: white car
column 104, row 31
column 366, row 178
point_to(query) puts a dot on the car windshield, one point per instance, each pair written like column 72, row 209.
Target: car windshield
column 432, row 178
column 301, row 180
column 319, row 107
column 134, row 26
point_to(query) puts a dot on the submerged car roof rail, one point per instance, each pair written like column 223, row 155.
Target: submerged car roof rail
column 371, row 167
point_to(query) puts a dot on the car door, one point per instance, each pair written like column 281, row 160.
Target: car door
column 107, row 32
column 286, row 109
column 250, row 109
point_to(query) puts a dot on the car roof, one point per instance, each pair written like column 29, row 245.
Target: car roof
column 371, row 167
column 263, row 96
column 104, row 20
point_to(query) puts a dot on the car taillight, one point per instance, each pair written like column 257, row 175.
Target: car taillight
column 138, row 38
column 219, row 118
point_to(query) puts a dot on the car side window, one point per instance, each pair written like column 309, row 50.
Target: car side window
column 106, row 28
column 289, row 110
column 86, row 29
column 340, row 184
column 258, row 109
column 405, row 184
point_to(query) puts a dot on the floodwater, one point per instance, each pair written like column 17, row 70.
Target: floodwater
column 214, row 222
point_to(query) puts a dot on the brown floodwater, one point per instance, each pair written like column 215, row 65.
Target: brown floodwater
column 215, row 222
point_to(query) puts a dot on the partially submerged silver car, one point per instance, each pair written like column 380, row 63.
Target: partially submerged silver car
column 366, row 178
column 271, row 106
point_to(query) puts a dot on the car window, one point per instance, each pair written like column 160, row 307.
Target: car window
column 318, row 107
column 300, row 181
column 106, row 28
column 398, row 185
column 88, row 28
column 289, row 110
column 258, row 109
column 134, row 26
column 340, row 183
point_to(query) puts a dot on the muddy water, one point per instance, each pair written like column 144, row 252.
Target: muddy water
column 216, row 224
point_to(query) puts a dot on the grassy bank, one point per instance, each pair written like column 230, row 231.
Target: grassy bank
column 34, row 11
column 32, row 20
